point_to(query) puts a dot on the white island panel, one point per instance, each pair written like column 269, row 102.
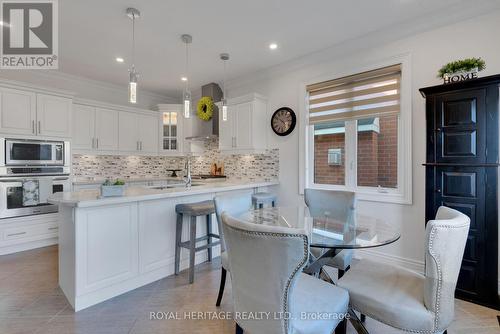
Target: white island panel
column 107, row 245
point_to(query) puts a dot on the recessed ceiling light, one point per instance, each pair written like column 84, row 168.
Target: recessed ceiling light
column 184, row 79
column 273, row 46
column 119, row 59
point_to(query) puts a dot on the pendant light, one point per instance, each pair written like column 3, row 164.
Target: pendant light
column 186, row 96
column 133, row 14
column 224, row 57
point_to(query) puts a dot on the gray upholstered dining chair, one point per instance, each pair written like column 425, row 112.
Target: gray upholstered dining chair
column 336, row 204
column 413, row 302
column 233, row 204
column 266, row 276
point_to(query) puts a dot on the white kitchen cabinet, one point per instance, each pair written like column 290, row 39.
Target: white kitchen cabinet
column 245, row 130
column 128, row 131
column 171, row 130
column 83, row 127
column 26, row 112
column 17, row 111
column 106, row 129
column 148, row 133
column 54, row 115
column 138, row 133
column 23, row 233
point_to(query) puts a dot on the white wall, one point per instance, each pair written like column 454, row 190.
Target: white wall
column 428, row 51
column 86, row 88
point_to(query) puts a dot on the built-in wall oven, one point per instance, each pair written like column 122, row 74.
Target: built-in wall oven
column 31, row 171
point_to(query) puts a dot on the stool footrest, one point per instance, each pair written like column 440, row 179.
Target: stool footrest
column 187, row 244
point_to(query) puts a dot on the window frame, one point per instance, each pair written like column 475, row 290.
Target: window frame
column 403, row 193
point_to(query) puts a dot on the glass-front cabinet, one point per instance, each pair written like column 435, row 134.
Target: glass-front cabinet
column 171, row 134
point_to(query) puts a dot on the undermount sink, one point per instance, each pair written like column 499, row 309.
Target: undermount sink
column 178, row 185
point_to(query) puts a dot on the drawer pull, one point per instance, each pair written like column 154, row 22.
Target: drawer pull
column 53, row 228
column 14, row 234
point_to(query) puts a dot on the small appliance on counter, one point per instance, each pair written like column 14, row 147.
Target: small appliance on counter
column 30, row 171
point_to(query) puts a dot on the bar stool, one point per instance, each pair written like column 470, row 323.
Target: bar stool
column 262, row 198
column 194, row 210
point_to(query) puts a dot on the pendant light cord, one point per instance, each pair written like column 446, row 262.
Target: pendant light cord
column 133, row 41
column 187, row 66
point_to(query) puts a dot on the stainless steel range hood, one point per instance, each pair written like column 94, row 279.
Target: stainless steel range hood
column 215, row 92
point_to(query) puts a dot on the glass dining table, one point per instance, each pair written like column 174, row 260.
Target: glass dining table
column 330, row 233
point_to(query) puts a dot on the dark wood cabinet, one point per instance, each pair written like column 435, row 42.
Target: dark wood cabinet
column 462, row 173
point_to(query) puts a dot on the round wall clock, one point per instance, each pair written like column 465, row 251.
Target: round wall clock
column 283, row 121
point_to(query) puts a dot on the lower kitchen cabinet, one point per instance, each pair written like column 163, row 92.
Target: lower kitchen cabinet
column 23, row 233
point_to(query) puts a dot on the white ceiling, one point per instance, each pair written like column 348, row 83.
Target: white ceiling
column 94, row 32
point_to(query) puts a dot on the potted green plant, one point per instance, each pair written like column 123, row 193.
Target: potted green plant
column 461, row 70
column 109, row 189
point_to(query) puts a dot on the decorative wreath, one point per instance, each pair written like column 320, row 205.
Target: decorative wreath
column 205, row 108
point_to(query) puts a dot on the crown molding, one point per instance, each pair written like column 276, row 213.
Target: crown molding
column 54, row 75
column 35, row 88
column 106, row 105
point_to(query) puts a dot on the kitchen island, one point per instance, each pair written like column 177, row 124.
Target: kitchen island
column 108, row 246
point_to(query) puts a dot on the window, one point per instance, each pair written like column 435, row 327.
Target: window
column 354, row 135
column 329, row 143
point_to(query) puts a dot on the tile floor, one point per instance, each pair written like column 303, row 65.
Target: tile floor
column 31, row 302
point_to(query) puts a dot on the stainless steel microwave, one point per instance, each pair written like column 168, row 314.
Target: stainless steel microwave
column 28, row 152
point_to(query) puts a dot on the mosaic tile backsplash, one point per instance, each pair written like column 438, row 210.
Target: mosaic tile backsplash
column 249, row 167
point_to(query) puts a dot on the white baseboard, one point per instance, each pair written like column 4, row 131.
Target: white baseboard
column 27, row 246
column 371, row 254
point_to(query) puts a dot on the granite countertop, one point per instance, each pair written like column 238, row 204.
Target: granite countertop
column 91, row 198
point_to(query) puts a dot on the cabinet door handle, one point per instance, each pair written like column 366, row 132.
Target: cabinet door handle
column 14, row 234
column 53, row 228
column 97, row 143
column 140, row 143
column 33, row 126
column 438, row 190
column 39, row 127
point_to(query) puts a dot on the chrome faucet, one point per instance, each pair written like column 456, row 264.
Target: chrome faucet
column 187, row 178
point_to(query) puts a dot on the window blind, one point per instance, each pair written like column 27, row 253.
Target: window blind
column 372, row 93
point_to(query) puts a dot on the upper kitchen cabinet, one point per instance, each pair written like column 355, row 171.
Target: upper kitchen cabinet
column 148, row 133
column 83, row 127
column 106, row 129
column 100, row 128
column 26, row 112
column 138, row 133
column 171, row 129
column 95, row 129
column 245, row 130
column 17, row 111
column 53, row 115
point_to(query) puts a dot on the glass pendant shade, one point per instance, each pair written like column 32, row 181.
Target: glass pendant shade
column 224, row 57
column 132, row 86
column 224, row 110
column 187, row 104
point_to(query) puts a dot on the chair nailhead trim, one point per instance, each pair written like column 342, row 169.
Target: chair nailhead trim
column 302, row 263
